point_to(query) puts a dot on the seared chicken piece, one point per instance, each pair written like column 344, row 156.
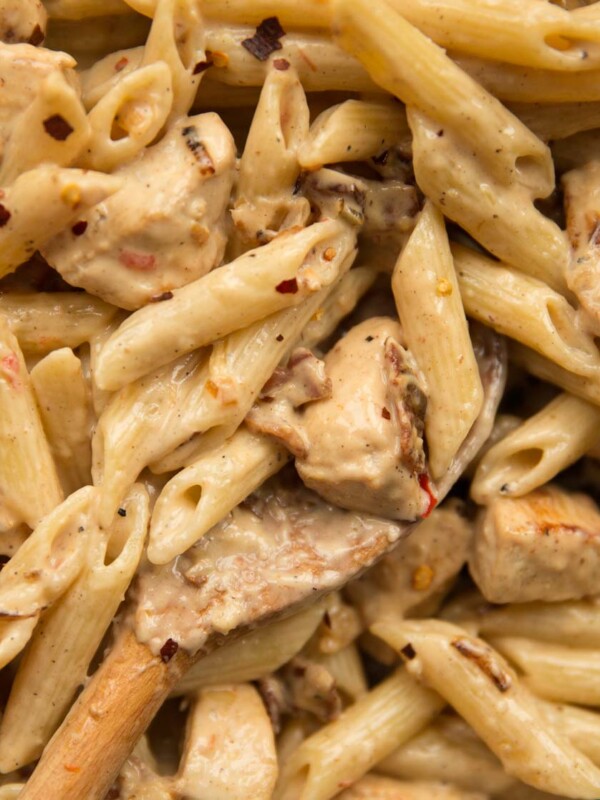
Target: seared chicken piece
column 366, row 441
column 543, row 546
column 22, row 21
column 164, row 228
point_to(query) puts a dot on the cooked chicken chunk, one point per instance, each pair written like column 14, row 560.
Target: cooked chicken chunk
column 544, row 546
column 164, row 228
column 365, row 447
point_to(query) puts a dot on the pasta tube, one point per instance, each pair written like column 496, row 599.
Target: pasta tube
column 63, row 397
column 344, row 750
column 64, row 644
column 425, row 271
column 28, row 477
column 199, row 496
column 537, row 450
column 472, row 676
column 269, row 279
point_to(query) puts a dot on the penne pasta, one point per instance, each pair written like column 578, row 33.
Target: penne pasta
column 255, row 654
column 470, row 675
column 279, row 275
column 50, row 672
column 354, row 130
column 455, row 393
column 537, row 450
column 64, row 401
column 47, row 321
column 344, row 750
column 375, row 787
column 29, row 483
column 524, row 309
column 203, row 493
column 555, row 671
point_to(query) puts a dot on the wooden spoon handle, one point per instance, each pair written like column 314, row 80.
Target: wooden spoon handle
column 84, row 757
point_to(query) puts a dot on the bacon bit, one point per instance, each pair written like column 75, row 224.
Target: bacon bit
column 282, row 64
column 121, row 63
column 212, row 388
column 425, row 484
column 158, row 298
column 408, row 652
column 266, row 39
column 142, row 262
column 385, row 413
column 37, row 36
column 168, row 650
column 422, row 578
column 79, row 228
column 57, row 127
column 329, row 254
column 201, row 66
column 287, row 287
column 483, row 657
column 72, row 768
column 5, row 215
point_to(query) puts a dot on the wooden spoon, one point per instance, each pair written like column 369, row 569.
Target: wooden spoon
column 314, row 548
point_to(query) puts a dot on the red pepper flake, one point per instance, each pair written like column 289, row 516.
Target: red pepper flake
column 72, row 768
column 5, row 215
column 212, row 388
column 425, row 484
column 57, row 127
column 37, row 36
column 329, row 254
column 79, row 228
column 266, row 39
column 143, row 262
column 408, row 652
column 10, row 363
column 282, row 64
column 168, row 650
column 201, row 66
column 158, row 298
column 385, row 413
column 287, row 287
column 121, row 63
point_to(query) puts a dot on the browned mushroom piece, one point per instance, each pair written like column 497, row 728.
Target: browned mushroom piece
column 279, row 551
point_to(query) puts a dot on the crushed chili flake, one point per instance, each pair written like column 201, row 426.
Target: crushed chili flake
column 201, row 66
column 329, row 254
column 10, row 363
column 79, row 228
column 385, row 413
column 266, row 39
column 121, row 64
column 158, row 298
column 72, row 768
column 122, row 512
column 279, row 337
column 408, row 652
column 212, row 388
column 484, row 658
column 57, row 127
column 138, row 261
column 287, row 287
column 37, row 36
column 195, row 146
column 168, row 650
column 5, row 215
column 282, row 64
column 425, row 484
